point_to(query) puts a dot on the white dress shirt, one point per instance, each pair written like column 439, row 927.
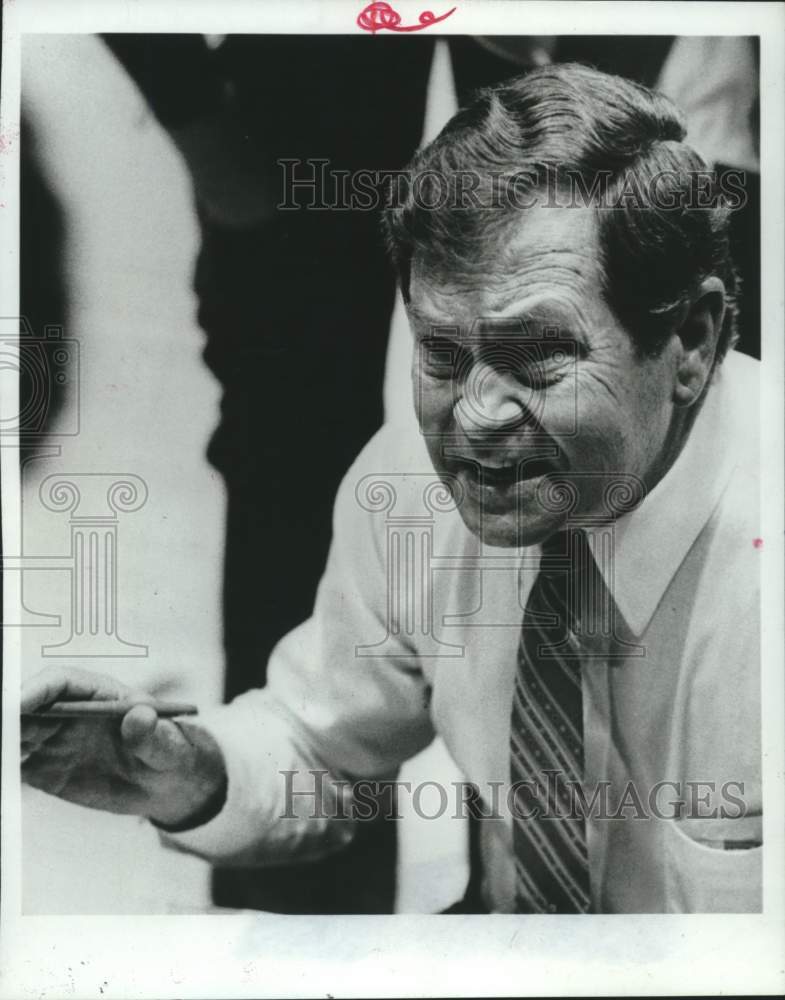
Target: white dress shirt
column 672, row 696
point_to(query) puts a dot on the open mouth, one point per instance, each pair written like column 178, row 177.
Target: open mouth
column 506, row 475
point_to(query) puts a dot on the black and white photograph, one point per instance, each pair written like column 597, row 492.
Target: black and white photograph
column 392, row 462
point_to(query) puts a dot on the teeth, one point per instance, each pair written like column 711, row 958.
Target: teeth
column 499, row 471
column 491, row 466
column 531, row 468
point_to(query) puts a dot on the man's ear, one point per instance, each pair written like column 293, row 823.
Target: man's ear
column 698, row 336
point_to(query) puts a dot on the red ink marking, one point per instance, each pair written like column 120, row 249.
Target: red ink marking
column 381, row 17
column 7, row 139
column 758, row 543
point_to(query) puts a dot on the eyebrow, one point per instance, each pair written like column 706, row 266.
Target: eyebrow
column 567, row 326
column 545, row 310
column 568, row 329
column 428, row 320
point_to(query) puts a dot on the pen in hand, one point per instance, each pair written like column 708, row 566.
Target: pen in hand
column 109, row 709
column 87, row 738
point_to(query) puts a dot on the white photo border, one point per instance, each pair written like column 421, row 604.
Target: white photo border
column 259, row 955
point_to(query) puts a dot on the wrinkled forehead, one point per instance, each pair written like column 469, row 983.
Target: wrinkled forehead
column 543, row 256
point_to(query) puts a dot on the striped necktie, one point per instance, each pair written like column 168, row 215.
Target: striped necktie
column 546, row 734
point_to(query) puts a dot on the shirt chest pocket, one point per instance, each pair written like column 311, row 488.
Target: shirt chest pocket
column 715, row 867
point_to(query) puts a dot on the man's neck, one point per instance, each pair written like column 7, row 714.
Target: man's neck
column 681, row 425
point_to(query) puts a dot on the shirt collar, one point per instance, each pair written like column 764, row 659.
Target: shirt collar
column 651, row 542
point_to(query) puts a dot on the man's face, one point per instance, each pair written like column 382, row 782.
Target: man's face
column 526, row 385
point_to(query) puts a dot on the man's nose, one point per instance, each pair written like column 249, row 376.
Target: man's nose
column 490, row 400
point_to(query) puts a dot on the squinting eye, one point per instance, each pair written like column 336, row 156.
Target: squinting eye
column 546, row 367
column 557, row 355
column 441, row 354
column 442, row 358
column 534, row 364
column 541, row 378
column 527, row 363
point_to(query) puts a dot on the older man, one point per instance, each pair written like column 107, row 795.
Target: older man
column 570, row 599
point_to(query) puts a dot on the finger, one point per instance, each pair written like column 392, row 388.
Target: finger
column 60, row 684
column 159, row 743
column 35, row 732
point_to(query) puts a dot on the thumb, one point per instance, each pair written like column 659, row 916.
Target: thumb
column 159, row 743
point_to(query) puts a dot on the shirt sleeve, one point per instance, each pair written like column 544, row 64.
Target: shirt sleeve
column 327, row 718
